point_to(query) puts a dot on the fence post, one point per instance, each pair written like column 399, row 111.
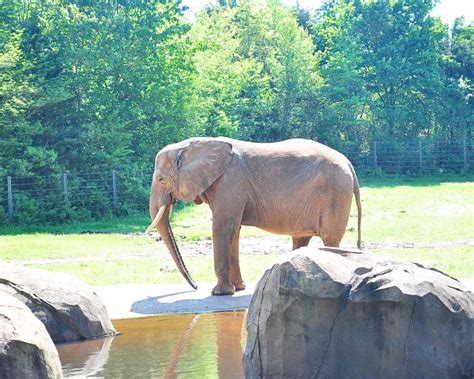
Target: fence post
column 420, row 156
column 464, row 150
column 114, row 189
column 374, row 155
column 66, row 200
column 10, row 199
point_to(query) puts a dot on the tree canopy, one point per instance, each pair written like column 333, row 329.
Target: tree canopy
column 92, row 84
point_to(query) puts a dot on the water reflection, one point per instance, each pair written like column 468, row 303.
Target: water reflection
column 204, row 346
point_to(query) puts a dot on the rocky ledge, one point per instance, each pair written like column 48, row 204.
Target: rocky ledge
column 26, row 350
column 38, row 307
column 68, row 308
column 332, row 313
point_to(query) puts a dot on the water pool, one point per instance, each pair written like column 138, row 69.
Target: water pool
column 196, row 346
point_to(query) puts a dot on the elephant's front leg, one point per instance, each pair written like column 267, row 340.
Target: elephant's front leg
column 222, row 234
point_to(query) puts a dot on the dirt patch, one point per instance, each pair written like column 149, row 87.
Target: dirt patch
column 261, row 245
column 248, row 246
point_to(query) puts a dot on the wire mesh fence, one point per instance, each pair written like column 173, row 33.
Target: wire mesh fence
column 73, row 197
column 419, row 157
column 80, row 196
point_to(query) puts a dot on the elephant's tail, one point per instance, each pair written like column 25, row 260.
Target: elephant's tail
column 359, row 207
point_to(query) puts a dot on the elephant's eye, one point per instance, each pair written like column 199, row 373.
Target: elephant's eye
column 161, row 178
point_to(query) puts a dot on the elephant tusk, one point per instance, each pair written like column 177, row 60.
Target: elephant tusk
column 156, row 220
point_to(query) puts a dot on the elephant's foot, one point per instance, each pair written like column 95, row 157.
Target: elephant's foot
column 223, row 289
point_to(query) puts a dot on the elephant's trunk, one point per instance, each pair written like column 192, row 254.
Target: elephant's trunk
column 164, row 228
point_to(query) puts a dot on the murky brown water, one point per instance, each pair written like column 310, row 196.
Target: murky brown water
column 194, row 346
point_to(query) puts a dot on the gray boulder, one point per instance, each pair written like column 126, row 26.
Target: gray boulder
column 332, row 313
column 68, row 308
column 26, row 349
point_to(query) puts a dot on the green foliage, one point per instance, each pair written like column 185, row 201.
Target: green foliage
column 92, row 86
column 381, row 62
column 17, row 90
column 256, row 73
column 115, row 79
column 457, row 100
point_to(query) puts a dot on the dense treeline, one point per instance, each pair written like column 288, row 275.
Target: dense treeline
column 89, row 85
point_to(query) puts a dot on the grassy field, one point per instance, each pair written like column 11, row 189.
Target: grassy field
column 428, row 220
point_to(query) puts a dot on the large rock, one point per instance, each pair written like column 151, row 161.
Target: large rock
column 330, row 313
column 26, row 349
column 68, row 308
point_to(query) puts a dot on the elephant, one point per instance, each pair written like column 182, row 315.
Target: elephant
column 296, row 187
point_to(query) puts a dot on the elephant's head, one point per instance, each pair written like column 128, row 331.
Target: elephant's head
column 184, row 171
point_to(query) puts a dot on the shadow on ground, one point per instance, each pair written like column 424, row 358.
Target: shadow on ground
column 188, row 302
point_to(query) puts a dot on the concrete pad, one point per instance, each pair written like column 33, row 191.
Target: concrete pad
column 135, row 300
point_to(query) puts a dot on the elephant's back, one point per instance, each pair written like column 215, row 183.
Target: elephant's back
column 297, row 158
column 297, row 147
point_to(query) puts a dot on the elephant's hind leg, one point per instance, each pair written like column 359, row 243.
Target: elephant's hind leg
column 332, row 241
column 300, row 242
column 235, row 275
column 334, row 221
column 332, row 234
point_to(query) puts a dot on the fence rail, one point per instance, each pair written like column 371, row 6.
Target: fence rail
column 95, row 195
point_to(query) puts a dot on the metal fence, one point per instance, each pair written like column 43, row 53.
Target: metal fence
column 419, row 157
column 97, row 195
column 73, row 196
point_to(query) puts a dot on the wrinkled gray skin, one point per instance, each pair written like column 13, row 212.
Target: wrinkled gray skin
column 297, row 187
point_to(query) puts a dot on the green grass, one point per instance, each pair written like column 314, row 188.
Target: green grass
column 161, row 269
column 424, row 211
column 50, row 246
column 433, row 212
column 130, row 224
column 157, row 270
column 456, row 261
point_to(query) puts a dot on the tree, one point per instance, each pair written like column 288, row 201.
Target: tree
column 19, row 154
column 89, row 86
column 457, row 97
column 387, row 56
column 345, row 106
column 255, row 73
column 113, row 80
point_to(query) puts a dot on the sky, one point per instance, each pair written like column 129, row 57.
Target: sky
column 447, row 10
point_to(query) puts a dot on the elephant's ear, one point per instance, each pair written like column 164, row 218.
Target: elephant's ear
column 200, row 164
